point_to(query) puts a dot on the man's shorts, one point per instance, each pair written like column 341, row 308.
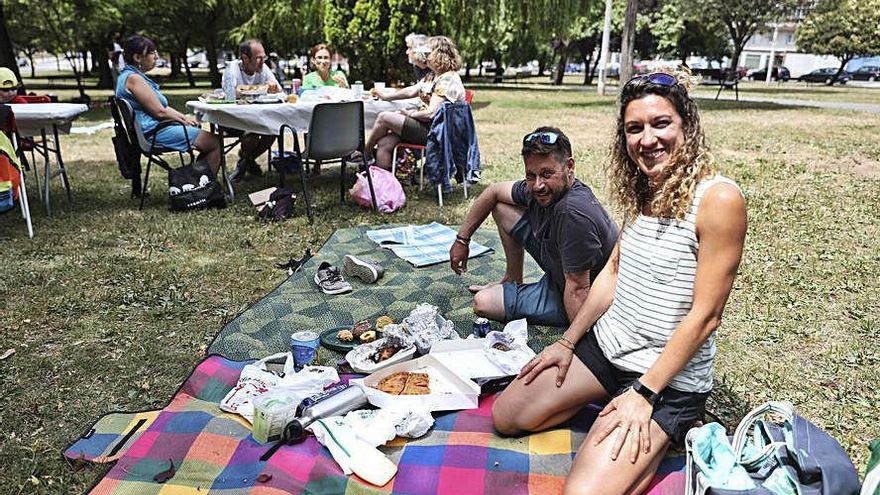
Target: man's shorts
column 541, row 302
column 675, row 411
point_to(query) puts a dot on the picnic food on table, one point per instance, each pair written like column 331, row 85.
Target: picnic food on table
column 252, row 88
column 291, row 98
column 368, row 336
column 405, row 383
column 360, row 327
column 384, row 352
column 345, row 336
column 382, row 321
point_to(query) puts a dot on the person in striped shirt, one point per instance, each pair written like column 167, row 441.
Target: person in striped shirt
column 644, row 338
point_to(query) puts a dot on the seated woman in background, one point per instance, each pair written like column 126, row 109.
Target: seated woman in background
column 151, row 107
column 320, row 57
column 644, row 337
column 412, row 126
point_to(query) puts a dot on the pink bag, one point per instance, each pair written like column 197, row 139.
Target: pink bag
column 389, row 193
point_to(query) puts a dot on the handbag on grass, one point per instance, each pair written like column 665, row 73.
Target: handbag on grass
column 194, row 187
column 765, row 457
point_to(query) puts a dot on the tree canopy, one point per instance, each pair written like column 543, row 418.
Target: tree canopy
column 843, row 28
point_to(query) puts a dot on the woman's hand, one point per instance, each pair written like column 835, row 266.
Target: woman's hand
column 556, row 354
column 632, row 414
column 340, row 80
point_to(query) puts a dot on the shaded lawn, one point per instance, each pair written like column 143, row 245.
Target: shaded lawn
column 109, row 308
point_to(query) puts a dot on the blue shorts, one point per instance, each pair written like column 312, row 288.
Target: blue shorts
column 540, row 303
column 173, row 137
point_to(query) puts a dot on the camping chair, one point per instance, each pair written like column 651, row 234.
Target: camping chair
column 7, row 125
column 335, row 131
column 147, row 145
column 468, row 97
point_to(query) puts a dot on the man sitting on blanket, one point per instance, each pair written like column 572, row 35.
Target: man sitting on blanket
column 556, row 219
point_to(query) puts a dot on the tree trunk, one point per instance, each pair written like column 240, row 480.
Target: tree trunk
column 628, row 40
column 588, row 73
column 7, row 54
column 189, row 74
column 30, row 57
column 78, row 75
column 467, row 71
column 216, row 78
column 593, row 70
column 560, row 66
column 174, row 60
column 542, row 65
column 105, row 77
column 86, row 70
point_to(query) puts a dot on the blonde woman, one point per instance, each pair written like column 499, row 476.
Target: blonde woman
column 644, row 338
column 412, row 126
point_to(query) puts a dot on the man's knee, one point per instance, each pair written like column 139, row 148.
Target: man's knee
column 489, row 303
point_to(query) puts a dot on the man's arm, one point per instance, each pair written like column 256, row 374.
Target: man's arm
column 271, row 80
column 577, row 287
column 500, row 192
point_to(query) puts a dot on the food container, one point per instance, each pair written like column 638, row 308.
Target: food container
column 449, row 392
column 359, row 357
column 466, row 358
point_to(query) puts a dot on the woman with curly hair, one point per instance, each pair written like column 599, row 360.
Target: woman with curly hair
column 441, row 84
column 644, row 338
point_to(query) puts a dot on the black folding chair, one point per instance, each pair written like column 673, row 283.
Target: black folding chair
column 147, row 144
column 335, row 131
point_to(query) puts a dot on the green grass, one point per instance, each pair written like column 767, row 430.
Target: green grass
column 109, row 308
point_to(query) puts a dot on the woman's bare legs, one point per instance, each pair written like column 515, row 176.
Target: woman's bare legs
column 385, row 150
column 386, row 122
column 209, row 147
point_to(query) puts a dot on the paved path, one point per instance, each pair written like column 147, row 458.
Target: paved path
column 702, row 95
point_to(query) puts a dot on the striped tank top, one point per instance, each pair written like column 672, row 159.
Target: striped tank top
column 654, row 292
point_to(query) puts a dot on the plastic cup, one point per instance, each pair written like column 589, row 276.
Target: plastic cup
column 304, row 347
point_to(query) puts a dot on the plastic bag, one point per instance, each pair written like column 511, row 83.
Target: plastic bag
column 389, row 193
column 257, row 379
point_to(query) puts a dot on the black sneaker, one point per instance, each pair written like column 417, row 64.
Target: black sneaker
column 330, row 281
column 368, row 271
column 240, row 169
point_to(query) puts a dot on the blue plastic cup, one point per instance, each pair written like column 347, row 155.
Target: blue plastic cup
column 304, row 347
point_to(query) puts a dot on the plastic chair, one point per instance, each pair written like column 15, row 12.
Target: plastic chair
column 468, row 97
column 335, row 131
column 147, row 145
column 7, row 124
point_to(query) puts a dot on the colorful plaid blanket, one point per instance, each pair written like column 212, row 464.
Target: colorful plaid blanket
column 212, row 452
column 421, row 245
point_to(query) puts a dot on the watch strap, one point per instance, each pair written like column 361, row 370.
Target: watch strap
column 644, row 391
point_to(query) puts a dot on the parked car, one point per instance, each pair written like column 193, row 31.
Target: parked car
column 825, row 75
column 779, row 74
column 866, row 73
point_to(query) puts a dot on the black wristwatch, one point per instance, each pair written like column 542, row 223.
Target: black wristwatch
column 645, row 392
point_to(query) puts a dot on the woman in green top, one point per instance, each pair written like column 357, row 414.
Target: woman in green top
column 320, row 56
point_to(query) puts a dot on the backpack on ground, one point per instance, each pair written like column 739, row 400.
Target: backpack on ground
column 773, row 452
column 280, row 205
column 194, row 187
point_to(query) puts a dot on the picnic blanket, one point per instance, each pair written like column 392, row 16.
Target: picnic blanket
column 422, row 245
column 213, row 453
column 297, row 304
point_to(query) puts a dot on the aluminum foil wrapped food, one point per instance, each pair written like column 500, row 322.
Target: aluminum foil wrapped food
column 427, row 326
column 398, row 335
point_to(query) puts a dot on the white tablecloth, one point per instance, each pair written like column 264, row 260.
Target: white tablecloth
column 32, row 117
column 267, row 118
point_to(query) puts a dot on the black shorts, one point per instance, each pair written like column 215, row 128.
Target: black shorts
column 675, row 411
column 415, row 131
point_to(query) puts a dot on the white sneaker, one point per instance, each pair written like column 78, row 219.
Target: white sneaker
column 367, row 271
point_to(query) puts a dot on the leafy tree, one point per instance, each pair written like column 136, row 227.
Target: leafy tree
column 741, row 18
column 679, row 34
column 843, row 28
column 285, row 27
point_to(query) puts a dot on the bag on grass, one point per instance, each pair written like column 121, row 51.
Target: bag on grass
column 194, row 187
column 767, row 457
column 280, row 205
column 389, row 193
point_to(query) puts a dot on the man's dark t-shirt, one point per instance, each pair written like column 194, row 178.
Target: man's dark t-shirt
column 574, row 234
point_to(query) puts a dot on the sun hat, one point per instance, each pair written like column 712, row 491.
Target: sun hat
column 7, row 78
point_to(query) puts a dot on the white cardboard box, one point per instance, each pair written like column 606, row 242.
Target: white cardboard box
column 466, row 358
column 450, row 392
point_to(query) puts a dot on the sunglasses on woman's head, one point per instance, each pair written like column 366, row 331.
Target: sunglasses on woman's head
column 545, row 137
column 658, row 78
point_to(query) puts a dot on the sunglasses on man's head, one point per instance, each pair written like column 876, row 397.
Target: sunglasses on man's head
column 545, row 137
column 658, row 78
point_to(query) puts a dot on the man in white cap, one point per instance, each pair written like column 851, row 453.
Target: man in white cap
column 250, row 70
